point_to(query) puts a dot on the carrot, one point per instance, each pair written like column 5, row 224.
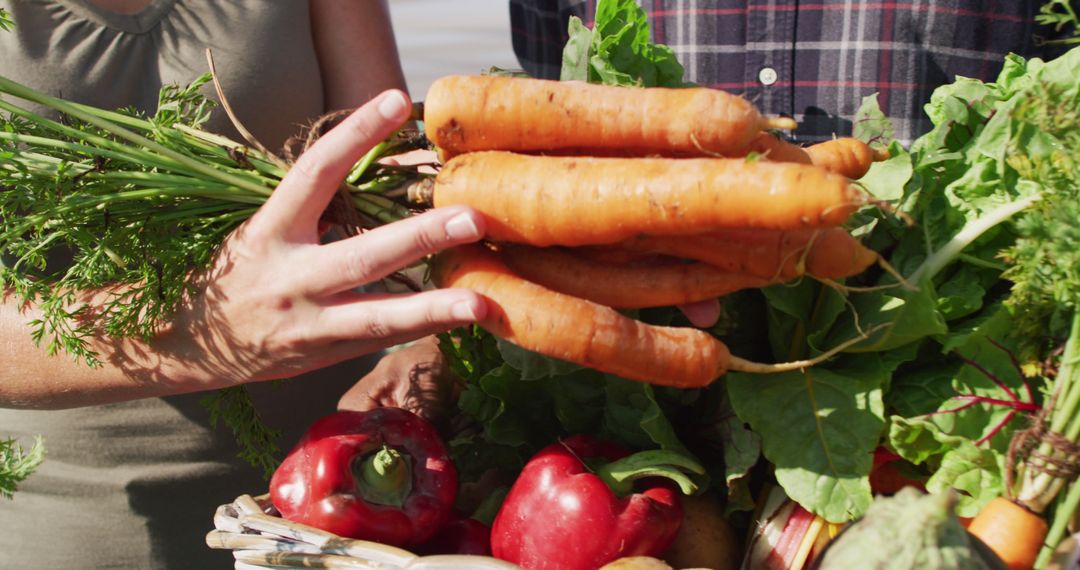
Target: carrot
column 472, row 113
column 829, row 253
column 777, row 149
column 621, row 286
column 847, row 156
column 617, row 254
column 583, row 332
column 580, row 331
column 546, row 200
column 1013, row 532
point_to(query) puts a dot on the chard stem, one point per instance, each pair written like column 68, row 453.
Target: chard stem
column 971, row 232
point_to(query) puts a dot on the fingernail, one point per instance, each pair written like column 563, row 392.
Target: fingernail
column 462, row 226
column 463, row 311
column 392, row 106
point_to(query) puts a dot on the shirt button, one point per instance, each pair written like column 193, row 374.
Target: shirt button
column 767, row 76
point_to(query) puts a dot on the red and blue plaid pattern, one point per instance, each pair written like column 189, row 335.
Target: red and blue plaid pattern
column 814, row 61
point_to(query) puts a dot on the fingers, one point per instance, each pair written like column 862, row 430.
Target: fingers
column 295, row 206
column 702, row 314
column 394, row 319
column 370, row 256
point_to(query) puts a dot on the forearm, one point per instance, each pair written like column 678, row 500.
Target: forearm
column 130, row 369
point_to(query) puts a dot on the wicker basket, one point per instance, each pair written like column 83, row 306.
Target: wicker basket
column 260, row 538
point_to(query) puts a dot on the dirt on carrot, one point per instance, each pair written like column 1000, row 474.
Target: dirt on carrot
column 542, row 200
column 624, row 286
column 580, row 331
column 473, row 113
column 830, row 253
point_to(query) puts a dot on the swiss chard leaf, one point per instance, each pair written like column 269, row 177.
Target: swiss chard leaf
column 822, row 443
column 892, row 318
column 618, row 50
column 533, row 366
column 575, row 56
column 959, row 465
column 871, row 125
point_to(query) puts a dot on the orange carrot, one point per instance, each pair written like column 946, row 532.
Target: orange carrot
column 847, row 156
column 583, row 332
column 471, row 113
column 616, row 254
column 580, row 331
column 777, row 149
column 1013, row 532
column 546, row 200
column 829, row 253
column 621, row 286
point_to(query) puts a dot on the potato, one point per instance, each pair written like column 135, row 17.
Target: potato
column 636, row 563
column 706, row 539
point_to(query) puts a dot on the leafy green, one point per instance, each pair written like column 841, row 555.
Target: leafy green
column 973, row 472
column 978, row 258
column 870, row 124
column 1060, row 14
column 618, row 50
column 821, row 444
column 17, row 464
column 995, row 190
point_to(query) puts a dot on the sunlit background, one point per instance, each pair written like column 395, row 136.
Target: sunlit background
column 442, row 37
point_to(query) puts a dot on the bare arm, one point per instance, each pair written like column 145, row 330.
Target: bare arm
column 357, row 53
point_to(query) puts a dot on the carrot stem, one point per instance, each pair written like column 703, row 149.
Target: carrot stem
column 783, row 123
column 1039, row 488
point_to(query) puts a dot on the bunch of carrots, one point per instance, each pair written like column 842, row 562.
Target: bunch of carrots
column 600, row 198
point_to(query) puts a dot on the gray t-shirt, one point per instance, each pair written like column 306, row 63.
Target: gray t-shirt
column 135, row 485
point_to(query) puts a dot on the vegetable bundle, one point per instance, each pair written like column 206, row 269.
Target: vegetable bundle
column 951, row 369
column 676, row 185
column 131, row 205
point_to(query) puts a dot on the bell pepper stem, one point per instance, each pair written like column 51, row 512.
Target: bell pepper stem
column 621, row 474
column 383, row 477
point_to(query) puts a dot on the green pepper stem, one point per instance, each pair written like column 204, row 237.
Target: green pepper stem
column 383, row 477
column 620, row 475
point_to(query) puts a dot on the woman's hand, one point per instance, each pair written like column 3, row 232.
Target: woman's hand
column 277, row 302
column 415, row 377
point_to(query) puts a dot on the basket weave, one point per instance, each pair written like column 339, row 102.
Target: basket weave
column 260, row 538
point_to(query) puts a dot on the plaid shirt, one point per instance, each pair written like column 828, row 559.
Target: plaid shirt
column 814, row 61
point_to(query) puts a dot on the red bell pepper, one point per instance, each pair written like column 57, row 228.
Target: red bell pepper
column 459, row 536
column 574, row 507
column 467, row 535
column 382, row 475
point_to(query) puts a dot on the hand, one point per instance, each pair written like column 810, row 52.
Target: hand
column 415, row 378
column 277, row 302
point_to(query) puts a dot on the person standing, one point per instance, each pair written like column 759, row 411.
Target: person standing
column 135, row 467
